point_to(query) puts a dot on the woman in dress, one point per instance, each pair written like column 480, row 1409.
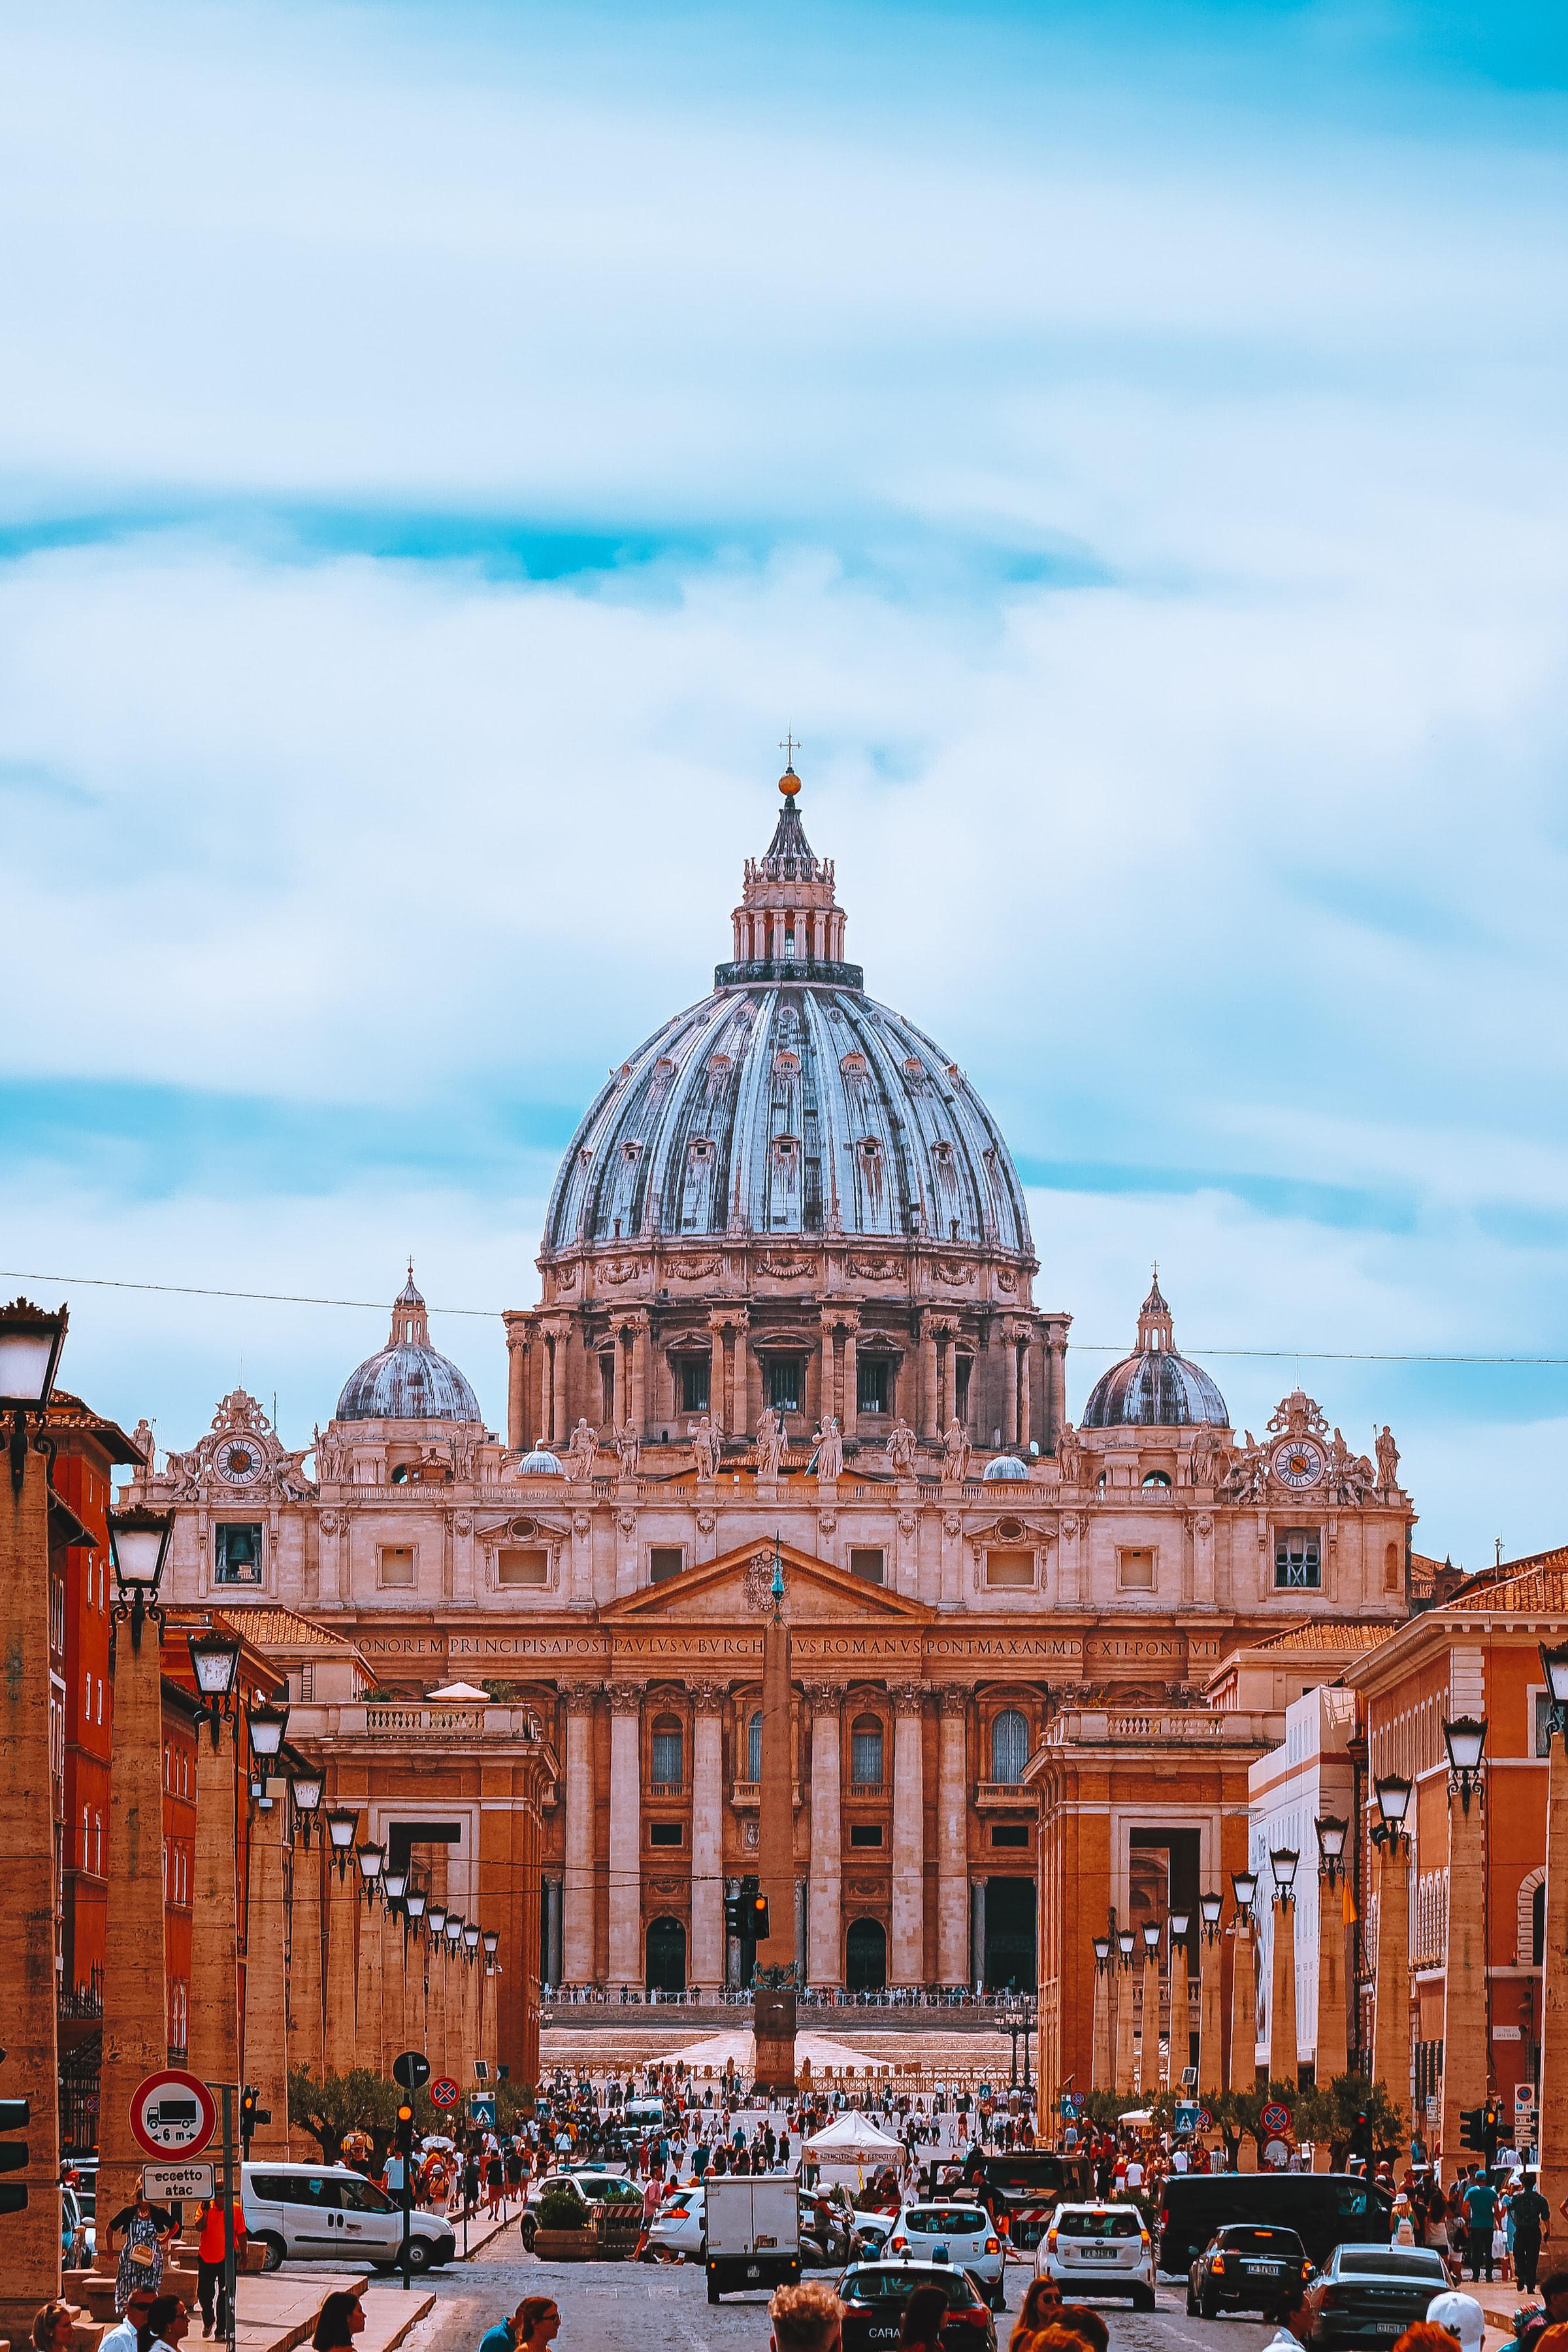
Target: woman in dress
column 147, row 2232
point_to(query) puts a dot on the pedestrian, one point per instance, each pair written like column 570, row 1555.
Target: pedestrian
column 1463, row 2315
column 1086, row 2326
column 1480, row 2221
column 494, row 2182
column 807, row 2318
column 53, row 2328
column 165, row 2326
column 122, row 2336
column 340, row 2318
column 210, row 2243
column 1426, row 2335
column 1041, row 2307
column 148, row 2231
column 1294, row 2319
column 1531, row 2216
column 531, row 2327
column 923, row 2317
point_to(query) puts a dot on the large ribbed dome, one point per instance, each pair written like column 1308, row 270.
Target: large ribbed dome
column 408, row 1380
column 789, row 1102
column 1154, row 1386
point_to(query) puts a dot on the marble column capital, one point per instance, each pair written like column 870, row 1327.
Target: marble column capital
column 629, row 1319
column 626, row 1698
column 728, row 1318
column 708, row 1698
column 906, row 1697
column 824, row 1698
column 580, row 1696
column 955, row 1702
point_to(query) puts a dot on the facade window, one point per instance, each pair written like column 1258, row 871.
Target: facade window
column 667, row 1744
column 664, row 1561
column 1136, row 1570
column 525, row 1564
column 865, row 1832
column 1542, row 1701
column 1014, row 1569
column 691, row 1381
column 236, row 1551
column 962, row 1367
column 666, row 1834
column 1009, row 1746
column 867, row 1561
column 1298, row 1562
column 394, row 1564
column 785, row 1381
column 607, row 1383
column 865, row 1752
column 1009, row 1833
column 753, row 1747
column 1156, row 1478
column 874, row 1384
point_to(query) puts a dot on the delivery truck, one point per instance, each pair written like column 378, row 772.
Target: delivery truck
column 753, row 2230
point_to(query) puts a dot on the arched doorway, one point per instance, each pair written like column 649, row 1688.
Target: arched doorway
column 865, row 1955
column 666, row 1956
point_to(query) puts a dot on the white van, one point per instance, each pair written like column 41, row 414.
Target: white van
column 326, row 2212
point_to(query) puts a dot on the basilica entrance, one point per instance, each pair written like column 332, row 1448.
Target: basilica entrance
column 1009, row 1934
column 666, row 1956
column 865, row 1956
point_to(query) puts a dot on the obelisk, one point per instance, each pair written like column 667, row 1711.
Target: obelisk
column 774, row 1988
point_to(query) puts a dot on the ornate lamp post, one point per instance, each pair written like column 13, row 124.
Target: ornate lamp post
column 394, row 1962
column 369, row 1976
column 342, row 1923
column 1391, row 2016
column 306, row 2028
column 436, row 1988
column 1210, row 2000
column 1467, row 2058
column 30, row 1343
column 1179, row 2044
column 1331, row 2049
column 1243, row 1989
column 1126, row 1943
column 1553, row 2105
column 414, row 1991
column 1282, row 2055
column 1149, row 2055
column 135, row 1990
column 1101, row 2076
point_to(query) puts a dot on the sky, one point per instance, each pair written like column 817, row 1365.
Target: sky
column 444, row 449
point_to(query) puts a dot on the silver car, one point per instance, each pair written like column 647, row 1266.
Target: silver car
column 1098, row 2249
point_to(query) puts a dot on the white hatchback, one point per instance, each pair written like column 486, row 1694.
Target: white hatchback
column 1098, row 2249
column 934, row 2230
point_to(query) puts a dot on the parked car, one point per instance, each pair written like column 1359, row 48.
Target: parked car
column 936, row 2230
column 874, row 2295
column 675, row 2232
column 316, row 2212
column 1324, row 2209
column 872, row 2233
column 1098, row 2249
column 1369, row 2294
column 1244, row 2268
column 587, row 2182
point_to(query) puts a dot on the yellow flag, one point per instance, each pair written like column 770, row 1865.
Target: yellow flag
column 1347, row 1903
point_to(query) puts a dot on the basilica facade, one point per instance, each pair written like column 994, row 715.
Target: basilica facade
column 786, row 1313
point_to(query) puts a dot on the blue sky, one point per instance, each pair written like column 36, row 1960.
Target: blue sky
column 442, row 449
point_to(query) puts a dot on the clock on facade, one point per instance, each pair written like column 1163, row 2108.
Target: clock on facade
column 1299, row 1463
column 239, row 1461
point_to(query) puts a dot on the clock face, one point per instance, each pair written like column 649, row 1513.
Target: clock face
column 1299, row 1463
column 240, row 1460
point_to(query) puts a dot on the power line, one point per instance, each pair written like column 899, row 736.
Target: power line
column 494, row 1315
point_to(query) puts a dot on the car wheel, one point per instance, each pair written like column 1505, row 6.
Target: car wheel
column 418, row 2254
column 712, row 2292
column 1191, row 2301
column 1142, row 2298
column 272, row 2252
column 1207, row 2308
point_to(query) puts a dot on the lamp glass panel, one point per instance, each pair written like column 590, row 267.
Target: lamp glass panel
column 25, row 1355
column 1394, row 1798
column 137, row 1551
column 214, row 1664
column 308, row 1796
column 1554, row 1666
column 342, row 1828
column 1211, row 1905
column 1180, row 1922
column 1467, row 1741
column 267, row 1725
column 1245, row 1886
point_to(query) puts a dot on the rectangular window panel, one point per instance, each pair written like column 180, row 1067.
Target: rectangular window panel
column 667, row 1759
column 784, row 1382
column 666, row 1834
column 664, row 1561
column 1543, row 1722
column 865, row 1758
column 237, row 1557
column 1013, row 1569
column 607, row 1383
column 527, row 1564
column 1298, row 1562
column 693, row 1382
column 1009, row 1833
column 962, row 1367
column 397, row 1564
column 865, row 1832
column 866, row 1561
column 1137, row 1570
column 873, row 1383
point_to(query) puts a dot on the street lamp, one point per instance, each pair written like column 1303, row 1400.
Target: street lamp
column 1102, row 1951
column 492, row 1946
column 453, row 1930
column 370, row 1858
column 138, row 1546
column 1151, row 1936
column 30, row 1343
column 214, row 1662
column 1210, row 1907
column 436, row 1920
column 1393, row 1794
column 342, row 1825
column 413, row 1904
column 1180, row 1921
column 1331, row 1833
column 394, row 1884
column 1554, row 1666
column 1126, row 1944
column 267, row 1725
column 1465, row 1740
column 1244, row 1887
column 307, row 1801
column 1283, row 1865
column 471, row 1938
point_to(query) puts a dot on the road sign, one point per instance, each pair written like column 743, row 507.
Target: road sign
column 1070, row 2104
column 410, row 2070
column 1524, row 2097
column 482, row 2108
column 1275, row 2118
column 172, row 2114
column 176, row 2184
column 1186, row 2115
column 444, row 2094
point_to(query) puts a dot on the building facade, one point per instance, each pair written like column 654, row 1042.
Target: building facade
column 787, row 1310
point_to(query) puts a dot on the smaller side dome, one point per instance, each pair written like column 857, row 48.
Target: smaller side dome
column 1005, row 1469
column 540, row 1464
column 408, row 1380
column 1153, row 1387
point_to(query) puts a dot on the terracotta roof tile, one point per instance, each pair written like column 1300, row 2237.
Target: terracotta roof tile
column 1335, row 1635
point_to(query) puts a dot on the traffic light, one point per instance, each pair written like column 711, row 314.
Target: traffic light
column 405, row 2127
column 1361, row 2137
column 251, row 2113
column 1491, row 2130
column 732, row 1914
column 16, row 2115
column 1472, row 2129
column 758, row 1911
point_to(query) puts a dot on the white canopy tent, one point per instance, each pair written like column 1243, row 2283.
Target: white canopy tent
column 855, row 2140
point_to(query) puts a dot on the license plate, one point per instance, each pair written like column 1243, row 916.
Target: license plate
column 1098, row 2254
column 1387, row 2327
column 1264, row 2270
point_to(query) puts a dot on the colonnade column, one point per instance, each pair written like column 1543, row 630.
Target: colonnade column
column 577, row 1882
column 951, row 1842
column 707, row 1840
column 266, row 2053
column 1009, row 1388
column 1244, row 2006
column 517, row 1433
column 639, row 1412
column 848, row 1423
column 1026, row 1393
column 305, row 1959
column 742, row 1362
column 930, row 1402
column 908, row 1958
column 559, row 1399
column 394, row 2005
column 625, row 1834
column 824, row 1924
column 550, row 1934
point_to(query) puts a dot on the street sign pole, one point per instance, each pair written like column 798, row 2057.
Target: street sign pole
column 230, row 2266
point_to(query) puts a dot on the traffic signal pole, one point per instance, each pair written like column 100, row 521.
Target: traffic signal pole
column 226, row 2092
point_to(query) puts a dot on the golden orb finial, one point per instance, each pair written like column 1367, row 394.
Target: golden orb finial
column 789, row 782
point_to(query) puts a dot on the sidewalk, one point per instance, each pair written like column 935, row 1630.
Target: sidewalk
column 275, row 2314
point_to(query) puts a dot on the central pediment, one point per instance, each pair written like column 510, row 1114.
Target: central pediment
column 732, row 1589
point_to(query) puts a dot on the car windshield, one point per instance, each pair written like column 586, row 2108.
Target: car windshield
column 1118, row 2222
column 1240, row 2237
column 1391, row 2261
column 931, row 2221
column 898, row 2283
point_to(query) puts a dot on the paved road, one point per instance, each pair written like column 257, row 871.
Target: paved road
column 637, row 2307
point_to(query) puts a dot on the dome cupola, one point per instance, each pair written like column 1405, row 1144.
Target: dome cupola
column 1153, row 1387
column 408, row 1380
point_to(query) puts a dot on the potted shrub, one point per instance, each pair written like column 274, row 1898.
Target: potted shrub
column 561, row 2234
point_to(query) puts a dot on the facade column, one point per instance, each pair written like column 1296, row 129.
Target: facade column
column 560, row 1395
column 1125, row 2061
column 370, row 1980
column 1391, row 2014
column 824, row 1924
column 436, row 2003
column 213, row 2037
column 848, row 1423
column 718, row 1402
column 517, row 1381
column 135, row 1988
column 1331, row 2040
column 951, row 1839
column 978, row 1933
column 829, row 1371
column 1244, row 2006
column 741, row 1373
column 551, row 1968
column 1465, row 1976
column 1009, row 1387
column 394, row 2021
column 706, row 1970
column 908, row 1956
column 930, row 1403
column 577, row 1882
column 639, row 1412
column 1179, row 2043
column 1211, row 2013
column 1026, row 1394
column 305, row 2039
column 1283, row 2060
column 1149, row 2042
column 1055, row 1385
column 266, row 2053
column 342, row 1904
column 626, row 1965
column 1100, row 2077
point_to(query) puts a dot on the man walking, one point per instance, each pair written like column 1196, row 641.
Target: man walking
column 1532, row 2218
column 1480, row 2216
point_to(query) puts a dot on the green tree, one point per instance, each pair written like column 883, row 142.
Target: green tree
column 332, row 2106
column 1331, row 2114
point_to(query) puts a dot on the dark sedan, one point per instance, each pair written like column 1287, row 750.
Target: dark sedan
column 1243, row 2268
column 1370, row 2294
column 874, row 2295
